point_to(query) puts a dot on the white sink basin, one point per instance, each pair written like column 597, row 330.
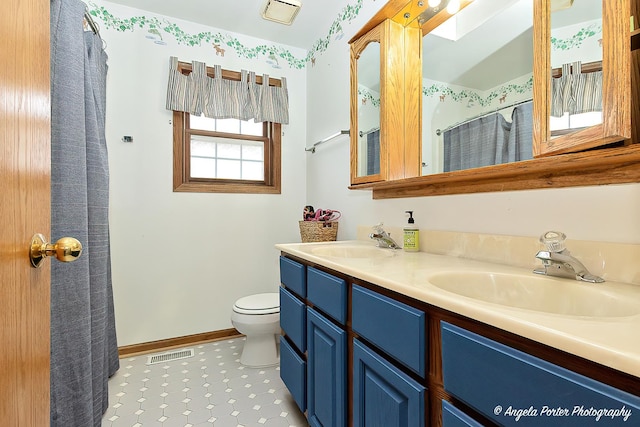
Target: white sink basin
column 541, row 293
column 352, row 251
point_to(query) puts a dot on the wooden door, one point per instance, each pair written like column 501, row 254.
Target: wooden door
column 24, row 210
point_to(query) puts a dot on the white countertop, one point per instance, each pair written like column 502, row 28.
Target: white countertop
column 610, row 341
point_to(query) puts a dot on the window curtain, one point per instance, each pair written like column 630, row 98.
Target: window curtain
column 84, row 351
column 219, row 98
column 490, row 140
column 576, row 92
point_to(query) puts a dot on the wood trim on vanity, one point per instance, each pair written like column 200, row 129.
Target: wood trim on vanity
column 433, row 380
column 169, row 343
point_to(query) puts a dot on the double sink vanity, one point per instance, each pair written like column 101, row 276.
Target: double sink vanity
column 382, row 337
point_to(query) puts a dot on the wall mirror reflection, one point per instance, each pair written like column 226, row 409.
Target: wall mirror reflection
column 478, row 81
column 576, row 61
column 478, row 87
column 368, row 132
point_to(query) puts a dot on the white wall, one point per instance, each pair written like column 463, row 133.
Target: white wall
column 180, row 260
column 601, row 213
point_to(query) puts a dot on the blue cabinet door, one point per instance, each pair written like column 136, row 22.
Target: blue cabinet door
column 326, row 372
column 293, row 372
column 396, row 328
column 293, row 276
column 328, row 294
column 384, row 396
column 293, row 319
column 516, row 389
column 454, row 417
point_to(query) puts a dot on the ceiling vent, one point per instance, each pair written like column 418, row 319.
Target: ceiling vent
column 560, row 4
column 281, row 11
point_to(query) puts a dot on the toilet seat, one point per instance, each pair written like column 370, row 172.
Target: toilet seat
column 267, row 303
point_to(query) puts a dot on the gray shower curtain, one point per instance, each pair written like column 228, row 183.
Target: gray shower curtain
column 490, row 140
column 84, row 351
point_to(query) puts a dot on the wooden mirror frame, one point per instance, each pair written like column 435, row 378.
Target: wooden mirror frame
column 375, row 35
column 616, row 83
column 400, row 102
column 614, row 165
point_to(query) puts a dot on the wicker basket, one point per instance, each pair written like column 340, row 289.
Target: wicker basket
column 318, row 231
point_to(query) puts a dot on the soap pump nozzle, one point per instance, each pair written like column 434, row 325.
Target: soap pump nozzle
column 410, row 221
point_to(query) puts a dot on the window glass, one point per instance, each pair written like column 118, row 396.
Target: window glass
column 228, row 125
column 252, row 170
column 225, row 155
column 229, row 169
column 203, row 123
column 250, row 127
column 253, row 152
column 226, row 158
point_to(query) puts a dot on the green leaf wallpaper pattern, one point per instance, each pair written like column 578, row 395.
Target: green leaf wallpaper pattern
column 368, row 97
column 222, row 42
column 467, row 95
column 575, row 41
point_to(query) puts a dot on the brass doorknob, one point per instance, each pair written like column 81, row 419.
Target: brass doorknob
column 66, row 249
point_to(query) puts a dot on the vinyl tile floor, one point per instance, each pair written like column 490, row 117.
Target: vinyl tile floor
column 210, row 388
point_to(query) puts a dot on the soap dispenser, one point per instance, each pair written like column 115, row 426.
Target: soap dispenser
column 411, row 235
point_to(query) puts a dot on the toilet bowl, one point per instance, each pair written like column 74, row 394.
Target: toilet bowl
column 258, row 318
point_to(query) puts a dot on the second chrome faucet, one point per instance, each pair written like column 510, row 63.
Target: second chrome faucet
column 383, row 238
column 557, row 261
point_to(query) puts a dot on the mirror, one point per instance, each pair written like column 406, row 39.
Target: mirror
column 603, row 153
column 367, row 143
column 478, row 87
column 585, row 33
column 368, row 131
column 385, row 103
column 576, row 62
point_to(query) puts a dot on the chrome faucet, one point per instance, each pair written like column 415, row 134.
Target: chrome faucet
column 557, row 261
column 383, row 238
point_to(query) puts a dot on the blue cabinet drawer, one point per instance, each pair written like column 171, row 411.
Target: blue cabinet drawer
column 384, row 396
column 394, row 327
column 293, row 276
column 293, row 319
column 503, row 383
column 327, row 372
column 328, row 293
column 454, row 417
column 293, row 371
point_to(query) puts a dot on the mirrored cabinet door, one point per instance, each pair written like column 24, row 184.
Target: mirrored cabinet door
column 582, row 75
column 365, row 108
column 386, row 103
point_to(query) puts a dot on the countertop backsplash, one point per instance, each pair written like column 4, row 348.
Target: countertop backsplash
column 612, row 261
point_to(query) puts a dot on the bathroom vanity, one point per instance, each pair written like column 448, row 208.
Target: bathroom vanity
column 380, row 337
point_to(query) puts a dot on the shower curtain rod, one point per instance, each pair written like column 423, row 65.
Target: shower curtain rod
column 367, row 132
column 90, row 22
column 514, row 104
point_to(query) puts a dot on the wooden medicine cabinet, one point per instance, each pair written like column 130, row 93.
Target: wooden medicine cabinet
column 385, row 103
column 605, row 153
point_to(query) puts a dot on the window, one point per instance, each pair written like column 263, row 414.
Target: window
column 225, row 155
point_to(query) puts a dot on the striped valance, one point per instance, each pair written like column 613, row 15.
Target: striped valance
column 576, row 92
column 206, row 91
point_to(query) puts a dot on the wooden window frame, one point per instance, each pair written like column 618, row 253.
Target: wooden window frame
column 182, row 180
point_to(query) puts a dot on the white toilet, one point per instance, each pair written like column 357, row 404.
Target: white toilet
column 258, row 317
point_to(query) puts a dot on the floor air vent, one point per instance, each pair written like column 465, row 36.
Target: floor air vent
column 170, row 355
